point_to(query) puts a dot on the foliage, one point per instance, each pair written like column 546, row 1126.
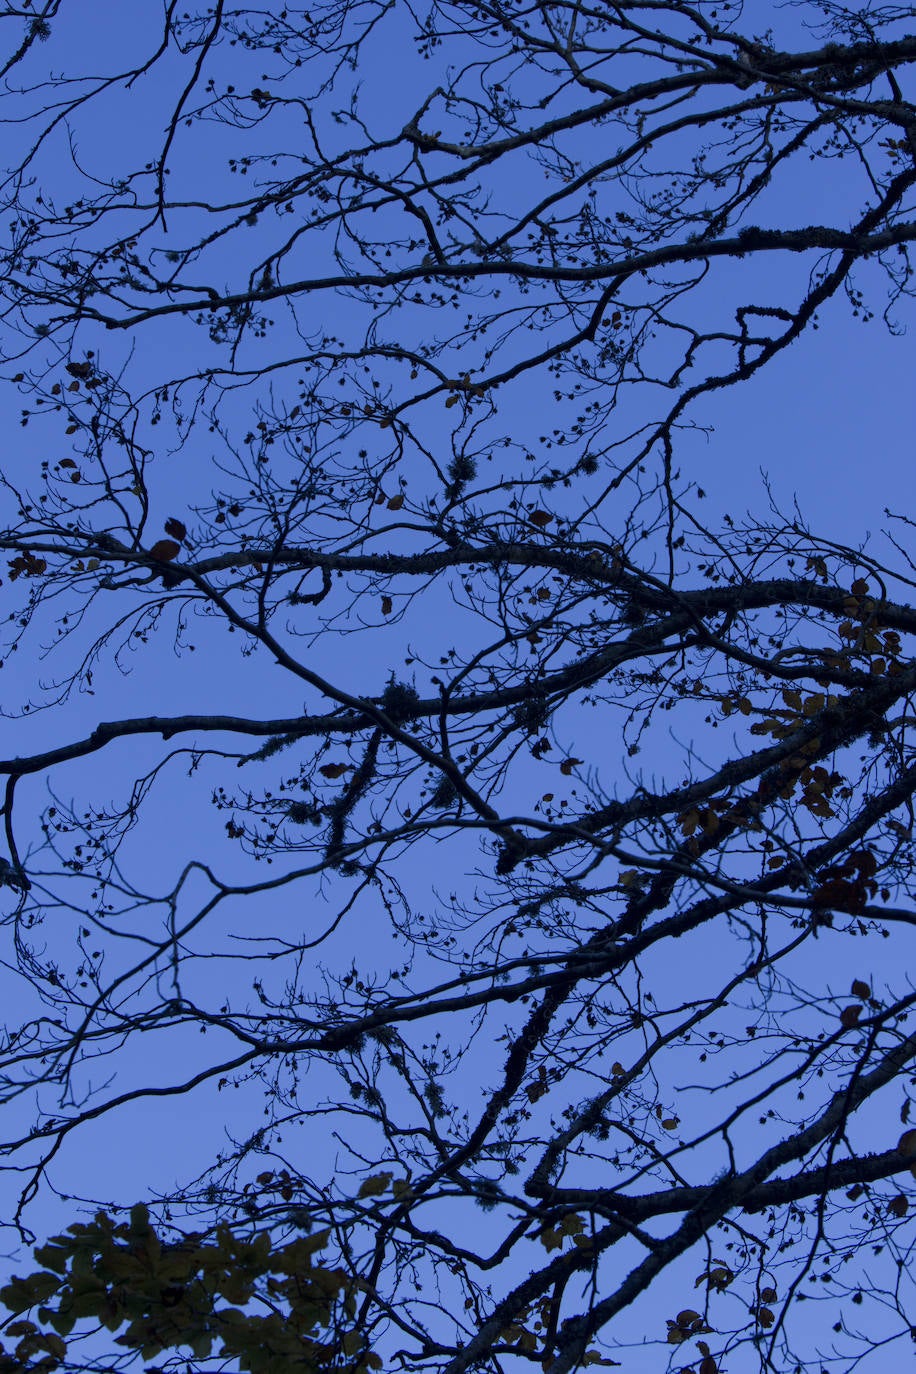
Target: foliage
column 165, row 1295
column 515, row 860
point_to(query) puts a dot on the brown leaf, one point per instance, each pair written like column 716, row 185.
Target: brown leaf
column 849, row 1017
column 80, row 370
column 708, row 1365
column 898, row 1206
column 860, row 989
column 26, row 565
column 164, row 550
column 567, row 766
column 386, row 605
column 687, row 1317
column 176, row 529
column 906, row 1145
column 540, row 518
column 333, row 770
column 396, row 502
column 768, row 1295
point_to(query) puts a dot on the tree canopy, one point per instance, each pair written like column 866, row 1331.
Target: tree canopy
column 510, row 859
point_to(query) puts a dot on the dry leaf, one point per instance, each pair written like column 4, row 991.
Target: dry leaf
column 164, row 550
column 175, row 528
column 386, row 605
column 540, row 518
column 687, row 1317
column 333, row 770
column 568, row 765
column 860, row 989
column 849, row 1017
column 396, row 502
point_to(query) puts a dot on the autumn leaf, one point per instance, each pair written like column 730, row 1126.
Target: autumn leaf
column 176, row 529
column 164, row 550
column 898, row 1206
column 718, row 1278
column 375, row 1185
column 387, row 605
column 540, row 518
column 688, row 1317
column 567, row 766
column 688, row 821
column 396, row 502
column 860, row 989
column 849, row 1017
column 333, row 770
column 80, row 370
column 26, row 565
